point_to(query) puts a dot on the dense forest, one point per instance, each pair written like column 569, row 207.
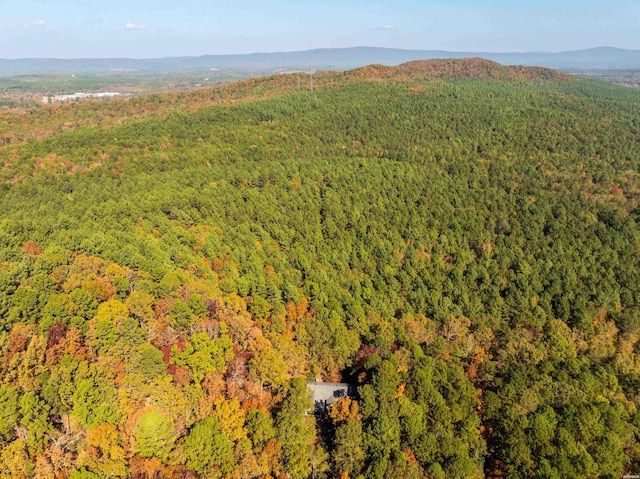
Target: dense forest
column 457, row 239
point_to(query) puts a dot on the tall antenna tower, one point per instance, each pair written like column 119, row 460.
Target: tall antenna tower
column 310, row 76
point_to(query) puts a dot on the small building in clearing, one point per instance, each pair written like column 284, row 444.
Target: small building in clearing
column 325, row 394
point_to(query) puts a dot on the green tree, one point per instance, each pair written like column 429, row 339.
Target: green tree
column 349, row 453
column 202, row 355
column 147, row 361
column 9, row 410
column 95, row 400
column 295, row 430
column 155, row 435
column 34, row 415
column 260, row 428
column 207, row 447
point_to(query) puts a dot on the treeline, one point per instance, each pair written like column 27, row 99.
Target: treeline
column 466, row 252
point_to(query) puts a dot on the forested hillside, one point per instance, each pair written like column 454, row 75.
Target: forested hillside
column 458, row 239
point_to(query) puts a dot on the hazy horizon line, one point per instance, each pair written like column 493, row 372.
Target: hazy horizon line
column 519, row 52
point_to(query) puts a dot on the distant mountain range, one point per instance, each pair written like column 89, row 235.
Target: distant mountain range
column 320, row 59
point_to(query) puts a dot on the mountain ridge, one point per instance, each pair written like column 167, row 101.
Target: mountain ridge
column 317, row 59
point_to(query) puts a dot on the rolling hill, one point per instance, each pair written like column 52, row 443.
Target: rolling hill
column 456, row 239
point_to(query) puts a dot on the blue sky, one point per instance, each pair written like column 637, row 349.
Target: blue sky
column 145, row 28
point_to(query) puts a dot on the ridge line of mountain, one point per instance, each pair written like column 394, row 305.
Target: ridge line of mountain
column 317, row 59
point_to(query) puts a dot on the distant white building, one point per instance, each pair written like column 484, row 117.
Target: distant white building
column 80, row 96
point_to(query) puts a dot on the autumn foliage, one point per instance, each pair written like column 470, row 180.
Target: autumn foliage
column 456, row 240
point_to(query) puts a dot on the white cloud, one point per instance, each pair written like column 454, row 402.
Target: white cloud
column 384, row 28
column 133, row 26
column 35, row 23
column 20, row 26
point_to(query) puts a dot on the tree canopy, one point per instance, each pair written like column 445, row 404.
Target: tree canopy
column 459, row 241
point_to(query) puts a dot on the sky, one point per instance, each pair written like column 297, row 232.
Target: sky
column 161, row 28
